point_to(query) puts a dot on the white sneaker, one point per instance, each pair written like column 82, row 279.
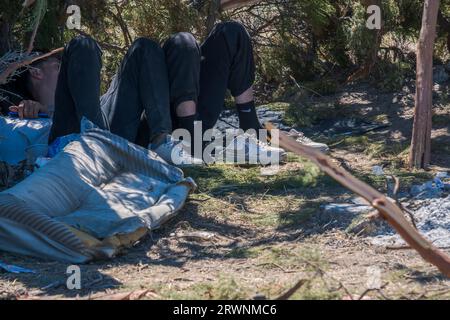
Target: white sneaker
column 247, row 149
column 174, row 152
column 304, row 140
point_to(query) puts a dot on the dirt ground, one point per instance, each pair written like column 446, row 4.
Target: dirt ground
column 244, row 235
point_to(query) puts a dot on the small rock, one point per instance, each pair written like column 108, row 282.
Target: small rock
column 378, row 171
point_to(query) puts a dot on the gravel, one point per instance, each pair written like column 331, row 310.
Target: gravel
column 431, row 203
column 432, row 219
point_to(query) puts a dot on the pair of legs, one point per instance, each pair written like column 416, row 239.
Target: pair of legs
column 189, row 80
column 199, row 76
column 136, row 105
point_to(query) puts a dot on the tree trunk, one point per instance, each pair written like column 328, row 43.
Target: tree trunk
column 419, row 156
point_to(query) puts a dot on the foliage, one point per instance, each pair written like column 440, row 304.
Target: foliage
column 307, row 40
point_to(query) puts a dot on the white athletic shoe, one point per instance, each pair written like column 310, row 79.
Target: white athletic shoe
column 247, row 149
column 174, row 152
column 304, row 140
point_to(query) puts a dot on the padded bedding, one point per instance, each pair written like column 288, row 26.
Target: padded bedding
column 97, row 196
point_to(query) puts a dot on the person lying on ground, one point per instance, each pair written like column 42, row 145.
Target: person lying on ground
column 155, row 88
column 135, row 107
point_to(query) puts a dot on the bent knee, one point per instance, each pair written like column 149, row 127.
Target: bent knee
column 84, row 43
column 145, row 44
column 182, row 40
column 234, row 27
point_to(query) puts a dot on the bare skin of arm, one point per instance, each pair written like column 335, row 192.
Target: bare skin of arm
column 29, row 109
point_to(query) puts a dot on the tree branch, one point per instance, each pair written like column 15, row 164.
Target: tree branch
column 387, row 209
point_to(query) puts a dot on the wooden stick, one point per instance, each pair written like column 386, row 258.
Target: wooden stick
column 387, row 209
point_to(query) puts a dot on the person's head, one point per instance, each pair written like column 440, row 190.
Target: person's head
column 42, row 77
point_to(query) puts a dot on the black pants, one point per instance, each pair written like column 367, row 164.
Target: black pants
column 151, row 82
column 138, row 94
column 204, row 73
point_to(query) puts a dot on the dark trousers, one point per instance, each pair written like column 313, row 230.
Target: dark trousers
column 78, row 88
column 141, row 100
column 204, row 73
column 136, row 105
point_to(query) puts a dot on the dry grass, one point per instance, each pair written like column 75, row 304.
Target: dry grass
column 266, row 234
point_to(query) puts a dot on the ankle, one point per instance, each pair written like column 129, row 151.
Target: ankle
column 248, row 118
